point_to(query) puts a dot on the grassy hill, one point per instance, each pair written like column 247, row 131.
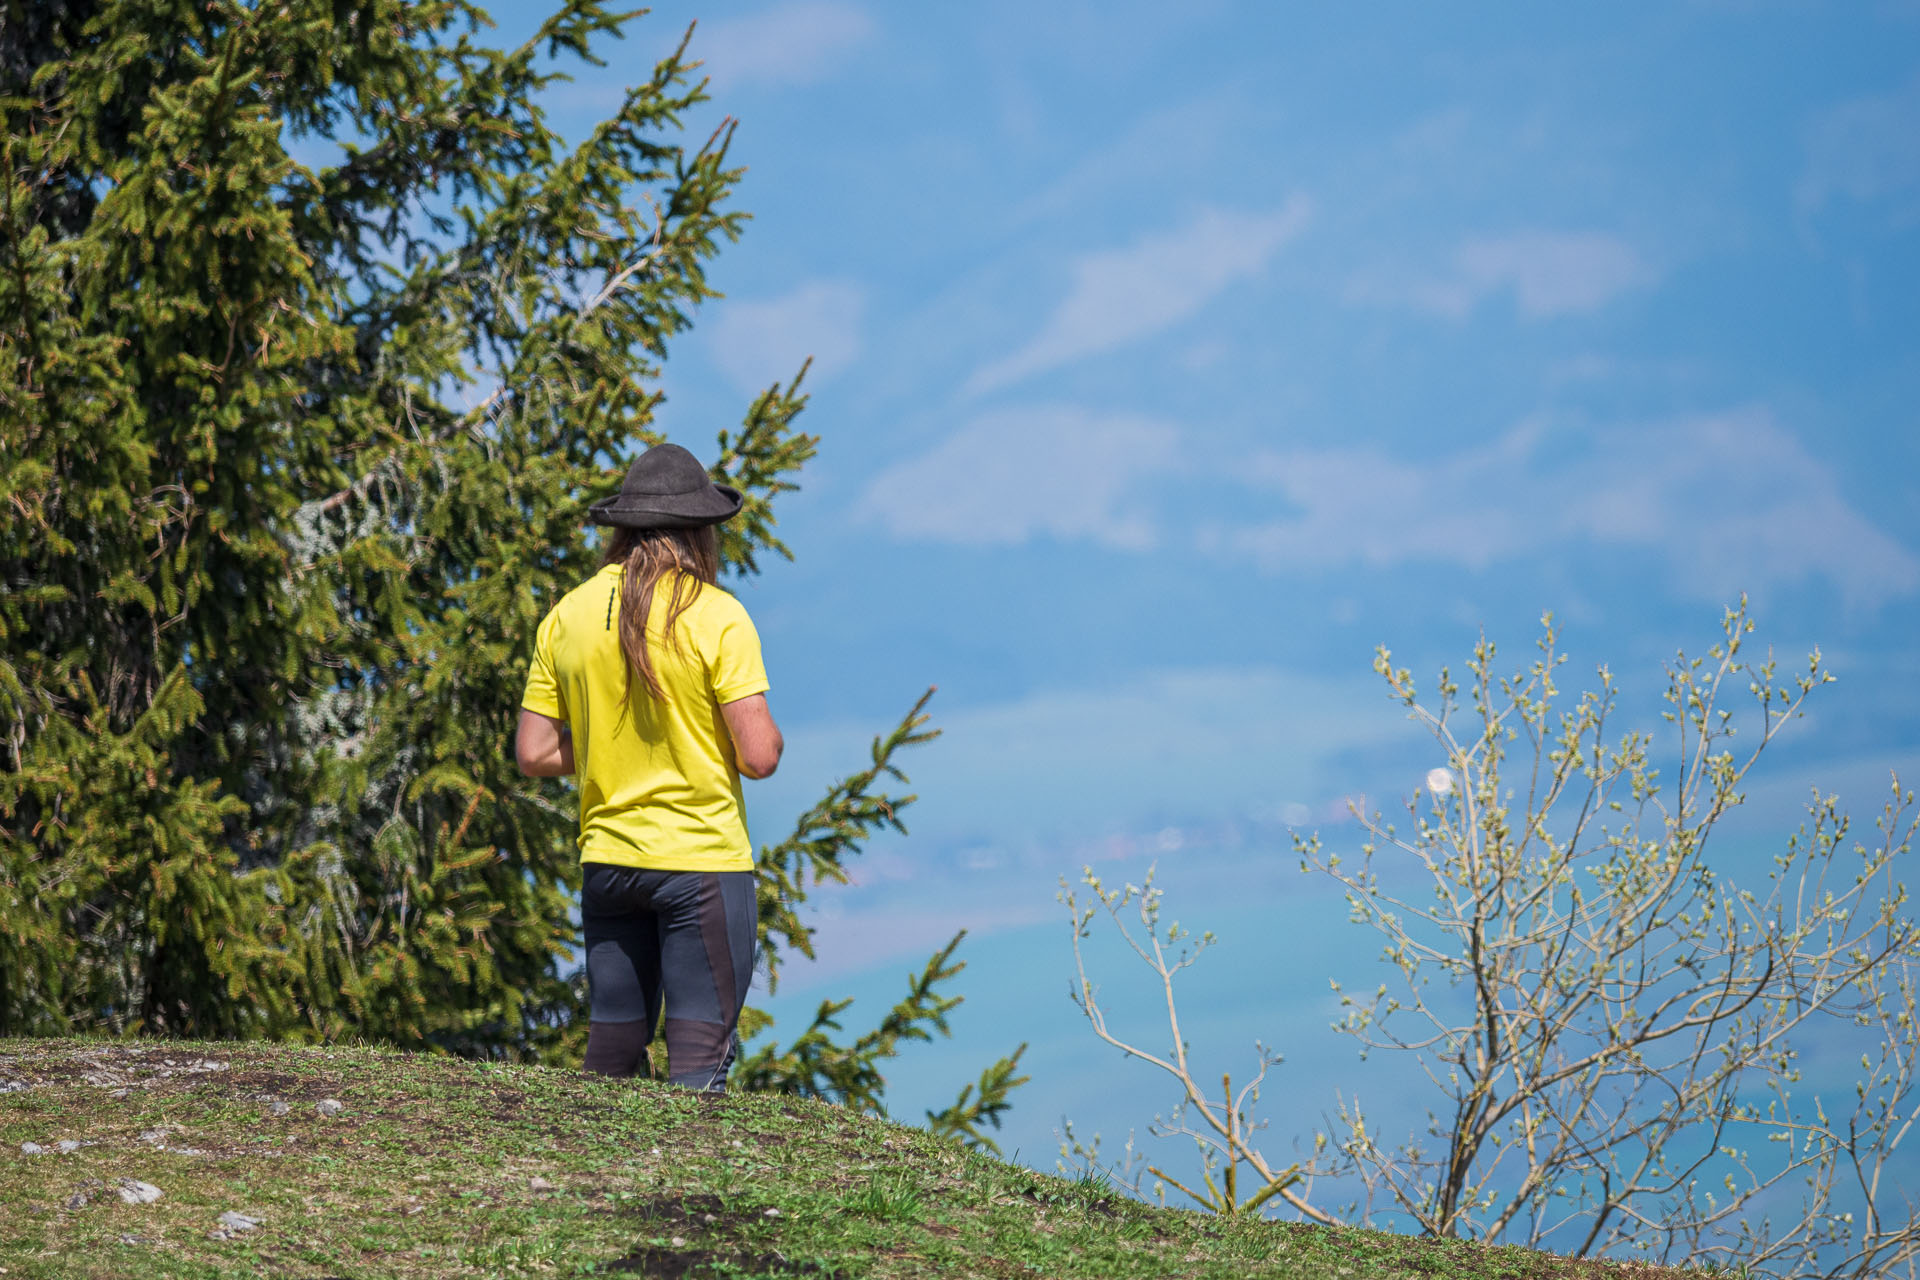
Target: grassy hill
column 313, row 1163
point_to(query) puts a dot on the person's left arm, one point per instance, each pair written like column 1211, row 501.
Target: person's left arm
column 543, row 747
column 739, row 683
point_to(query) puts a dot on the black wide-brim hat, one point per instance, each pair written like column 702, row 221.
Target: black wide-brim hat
column 667, row 488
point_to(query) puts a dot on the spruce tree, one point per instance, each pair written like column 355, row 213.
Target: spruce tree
column 316, row 340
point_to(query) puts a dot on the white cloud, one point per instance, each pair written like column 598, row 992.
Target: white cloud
column 1162, row 744
column 1865, row 149
column 799, row 43
column 1732, row 501
column 1549, row 273
column 756, row 343
column 1054, row 776
column 1010, row 475
column 1121, row 295
column 1554, row 274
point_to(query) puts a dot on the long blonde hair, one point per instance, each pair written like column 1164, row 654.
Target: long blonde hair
column 690, row 556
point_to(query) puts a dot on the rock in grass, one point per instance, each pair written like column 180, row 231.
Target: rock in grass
column 328, row 1107
column 78, row 1200
column 538, row 1183
column 233, row 1220
column 134, row 1191
column 66, row 1145
column 281, row 1108
column 32, row 1149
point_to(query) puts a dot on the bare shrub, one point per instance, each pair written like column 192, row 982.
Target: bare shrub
column 1608, row 1022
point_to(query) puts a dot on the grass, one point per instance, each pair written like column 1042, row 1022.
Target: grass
column 438, row 1167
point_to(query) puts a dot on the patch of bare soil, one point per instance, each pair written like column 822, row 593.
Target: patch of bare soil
column 665, row 1262
column 695, row 1211
column 699, row 1229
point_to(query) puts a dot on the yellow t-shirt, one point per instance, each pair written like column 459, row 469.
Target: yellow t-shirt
column 659, row 786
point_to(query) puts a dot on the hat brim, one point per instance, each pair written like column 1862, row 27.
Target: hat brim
column 713, row 505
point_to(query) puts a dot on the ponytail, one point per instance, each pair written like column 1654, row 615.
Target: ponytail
column 691, row 557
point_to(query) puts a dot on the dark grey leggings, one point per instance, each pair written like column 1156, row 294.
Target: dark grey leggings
column 686, row 936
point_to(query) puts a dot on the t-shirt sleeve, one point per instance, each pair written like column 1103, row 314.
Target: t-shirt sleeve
column 736, row 670
column 543, row 692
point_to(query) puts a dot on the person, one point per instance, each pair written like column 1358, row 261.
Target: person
column 647, row 686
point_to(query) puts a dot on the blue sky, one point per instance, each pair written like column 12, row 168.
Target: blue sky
column 1168, row 358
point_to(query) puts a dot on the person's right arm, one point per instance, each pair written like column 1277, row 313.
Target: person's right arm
column 757, row 744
